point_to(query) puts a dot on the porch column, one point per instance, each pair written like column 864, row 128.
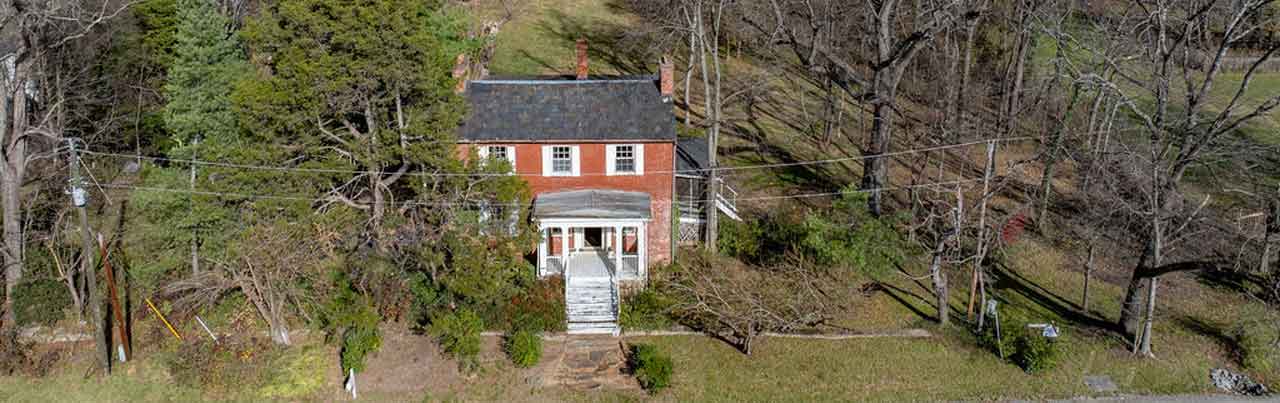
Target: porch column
column 564, row 249
column 617, row 249
column 642, row 249
column 545, row 234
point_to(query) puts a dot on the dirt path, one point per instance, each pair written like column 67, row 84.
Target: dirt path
column 590, row 363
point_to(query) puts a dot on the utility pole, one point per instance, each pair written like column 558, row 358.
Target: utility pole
column 191, row 198
column 80, row 198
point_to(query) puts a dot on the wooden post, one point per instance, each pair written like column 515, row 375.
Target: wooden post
column 114, row 301
column 988, row 171
column 1273, row 228
column 79, row 199
column 1088, row 273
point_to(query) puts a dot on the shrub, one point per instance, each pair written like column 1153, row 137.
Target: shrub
column 351, row 317
column 646, row 310
column 1035, row 353
column 459, row 336
column 40, row 301
column 299, row 373
column 228, row 366
column 539, row 308
column 524, row 347
column 843, row 236
column 651, row 368
column 1021, row 346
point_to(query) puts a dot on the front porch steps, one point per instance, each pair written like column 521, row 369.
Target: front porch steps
column 591, row 305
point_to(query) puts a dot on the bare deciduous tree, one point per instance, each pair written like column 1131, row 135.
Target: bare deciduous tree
column 740, row 303
column 1148, row 48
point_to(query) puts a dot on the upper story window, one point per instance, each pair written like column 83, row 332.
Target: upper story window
column 560, row 161
column 624, row 159
column 499, row 153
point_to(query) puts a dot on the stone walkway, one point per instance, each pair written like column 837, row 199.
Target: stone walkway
column 590, row 362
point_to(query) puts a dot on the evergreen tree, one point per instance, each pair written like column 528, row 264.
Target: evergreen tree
column 207, row 62
column 360, row 86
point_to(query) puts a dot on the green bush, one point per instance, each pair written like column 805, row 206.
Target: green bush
column 1009, row 328
column 40, row 301
column 843, row 236
column 459, row 336
column 651, row 368
column 1035, row 353
column 524, row 347
column 645, row 310
column 1020, row 345
column 351, row 317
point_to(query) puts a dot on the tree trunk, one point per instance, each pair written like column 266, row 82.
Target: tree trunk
column 1131, row 308
column 1144, row 347
column 940, row 289
column 875, row 170
column 11, row 173
column 1273, row 228
column 1051, row 155
column 9, row 199
column 1017, row 67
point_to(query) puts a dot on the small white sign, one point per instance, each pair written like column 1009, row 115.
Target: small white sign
column 79, row 197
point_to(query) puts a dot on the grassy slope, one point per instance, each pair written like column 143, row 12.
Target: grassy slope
column 545, row 44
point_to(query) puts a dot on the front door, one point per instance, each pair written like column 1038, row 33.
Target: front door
column 592, row 237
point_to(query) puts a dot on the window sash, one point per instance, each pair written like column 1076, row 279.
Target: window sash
column 624, row 159
column 561, row 160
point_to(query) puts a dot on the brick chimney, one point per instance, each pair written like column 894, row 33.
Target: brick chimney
column 582, row 59
column 666, row 78
column 460, row 67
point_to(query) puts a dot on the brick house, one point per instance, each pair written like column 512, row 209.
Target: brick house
column 600, row 155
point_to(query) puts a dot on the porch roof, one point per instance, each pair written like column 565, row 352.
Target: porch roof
column 592, row 203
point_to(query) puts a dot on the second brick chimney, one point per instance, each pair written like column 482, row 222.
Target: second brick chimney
column 666, row 78
column 582, row 59
column 461, row 66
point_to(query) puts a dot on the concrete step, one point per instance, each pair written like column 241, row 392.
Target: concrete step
column 589, row 298
column 593, row 327
column 593, row 319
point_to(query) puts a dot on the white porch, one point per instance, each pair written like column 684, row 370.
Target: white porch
column 595, row 239
column 617, row 252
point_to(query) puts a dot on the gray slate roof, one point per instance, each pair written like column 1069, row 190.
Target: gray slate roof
column 691, row 155
column 592, row 203
column 560, row 109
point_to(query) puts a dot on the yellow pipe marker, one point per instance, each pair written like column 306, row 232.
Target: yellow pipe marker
column 162, row 319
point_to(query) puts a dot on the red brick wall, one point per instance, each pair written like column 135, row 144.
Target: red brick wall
column 658, row 156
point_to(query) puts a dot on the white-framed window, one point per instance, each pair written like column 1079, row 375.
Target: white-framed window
column 504, row 153
column 560, row 160
column 624, row 159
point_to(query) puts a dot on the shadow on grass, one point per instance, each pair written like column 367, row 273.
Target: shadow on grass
column 1217, row 332
column 901, row 295
column 1010, row 280
column 607, row 43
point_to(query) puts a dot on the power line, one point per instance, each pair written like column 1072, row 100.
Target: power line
column 471, row 203
column 590, row 174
